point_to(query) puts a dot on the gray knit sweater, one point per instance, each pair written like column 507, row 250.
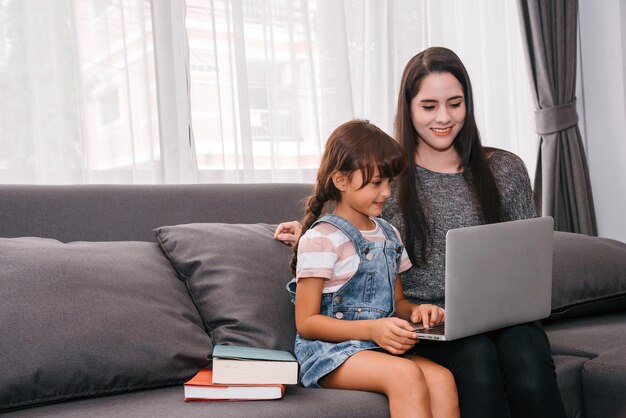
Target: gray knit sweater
column 449, row 203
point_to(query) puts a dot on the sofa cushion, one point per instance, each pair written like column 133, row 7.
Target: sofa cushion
column 587, row 336
column 236, row 275
column 92, row 318
column 604, row 384
column 589, row 275
column 569, row 379
column 168, row 403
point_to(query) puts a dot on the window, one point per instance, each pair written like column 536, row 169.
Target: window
column 109, row 107
column 263, row 84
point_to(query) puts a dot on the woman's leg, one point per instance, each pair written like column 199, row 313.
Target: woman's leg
column 444, row 401
column 476, row 368
column 528, row 370
column 399, row 378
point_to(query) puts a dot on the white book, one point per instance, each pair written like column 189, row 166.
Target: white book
column 238, row 393
column 246, row 365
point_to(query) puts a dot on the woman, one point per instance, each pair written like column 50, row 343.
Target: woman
column 458, row 183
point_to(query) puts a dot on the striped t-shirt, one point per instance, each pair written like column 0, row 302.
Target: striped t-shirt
column 326, row 252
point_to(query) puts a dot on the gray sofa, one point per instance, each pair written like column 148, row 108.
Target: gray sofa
column 112, row 296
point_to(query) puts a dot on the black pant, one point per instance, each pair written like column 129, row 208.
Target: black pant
column 508, row 372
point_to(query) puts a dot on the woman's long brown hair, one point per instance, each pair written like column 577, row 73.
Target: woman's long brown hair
column 467, row 144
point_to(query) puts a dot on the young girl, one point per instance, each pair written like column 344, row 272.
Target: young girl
column 351, row 314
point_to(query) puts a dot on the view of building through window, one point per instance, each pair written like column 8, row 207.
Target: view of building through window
column 255, row 111
column 114, row 48
column 78, row 86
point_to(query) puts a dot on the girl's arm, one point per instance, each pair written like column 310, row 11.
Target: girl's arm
column 392, row 334
column 427, row 314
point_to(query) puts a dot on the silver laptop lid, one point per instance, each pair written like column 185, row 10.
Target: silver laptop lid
column 498, row 275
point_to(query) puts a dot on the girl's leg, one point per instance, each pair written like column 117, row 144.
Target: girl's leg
column 528, row 370
column 399, row 378
column 444, row 401
column 476, row 368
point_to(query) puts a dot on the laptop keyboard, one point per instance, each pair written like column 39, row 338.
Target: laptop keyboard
column 438, row 329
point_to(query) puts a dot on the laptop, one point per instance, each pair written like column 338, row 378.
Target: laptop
column 497, row 275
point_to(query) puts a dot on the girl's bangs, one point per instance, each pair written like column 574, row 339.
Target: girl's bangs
column 388, row 158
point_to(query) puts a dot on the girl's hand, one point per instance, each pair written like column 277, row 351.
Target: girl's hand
column 393, row 334
column 428, row 315
column 288, row 232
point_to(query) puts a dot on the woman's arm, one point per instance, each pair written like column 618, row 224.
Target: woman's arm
column 515, row 190
column 392, row 334
column 288, row 232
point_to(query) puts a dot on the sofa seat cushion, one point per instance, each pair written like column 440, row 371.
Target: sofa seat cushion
column 604, row 384
column 92, row 318
column 590, row 358
column 236, row 275
column 569, row 378
column 168, row 403
column 587, row 336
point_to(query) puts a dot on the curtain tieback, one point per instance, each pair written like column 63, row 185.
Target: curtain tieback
column 556, row 118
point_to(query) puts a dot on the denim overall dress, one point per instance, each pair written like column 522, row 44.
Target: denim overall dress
column 368, row 294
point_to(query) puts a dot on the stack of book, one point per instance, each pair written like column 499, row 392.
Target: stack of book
column 243, row 373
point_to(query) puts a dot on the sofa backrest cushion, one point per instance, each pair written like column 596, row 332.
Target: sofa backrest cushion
column 589, row 275
column 85, row 319
column 115, row 212
column 236, row 275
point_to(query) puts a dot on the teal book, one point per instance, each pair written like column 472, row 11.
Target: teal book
column 251, row 353
column 250, row 365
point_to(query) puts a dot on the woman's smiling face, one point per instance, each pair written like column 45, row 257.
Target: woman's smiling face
column 438, row 111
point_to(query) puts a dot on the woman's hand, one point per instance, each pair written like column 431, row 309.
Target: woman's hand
column 288, row 232
column 393, row 334
column 428, row 315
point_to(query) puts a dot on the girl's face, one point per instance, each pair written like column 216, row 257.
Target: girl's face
column 438, row 111
column 358, row 203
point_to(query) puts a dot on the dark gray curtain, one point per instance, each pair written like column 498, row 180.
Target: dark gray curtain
column 562, row 186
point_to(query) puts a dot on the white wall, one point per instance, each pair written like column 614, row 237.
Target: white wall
column 603, row 112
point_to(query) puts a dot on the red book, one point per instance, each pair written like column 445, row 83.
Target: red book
column 202, row 388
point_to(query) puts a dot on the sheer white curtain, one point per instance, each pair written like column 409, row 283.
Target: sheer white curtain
column 271, row 79
column 78, row 94
column 179, row 91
